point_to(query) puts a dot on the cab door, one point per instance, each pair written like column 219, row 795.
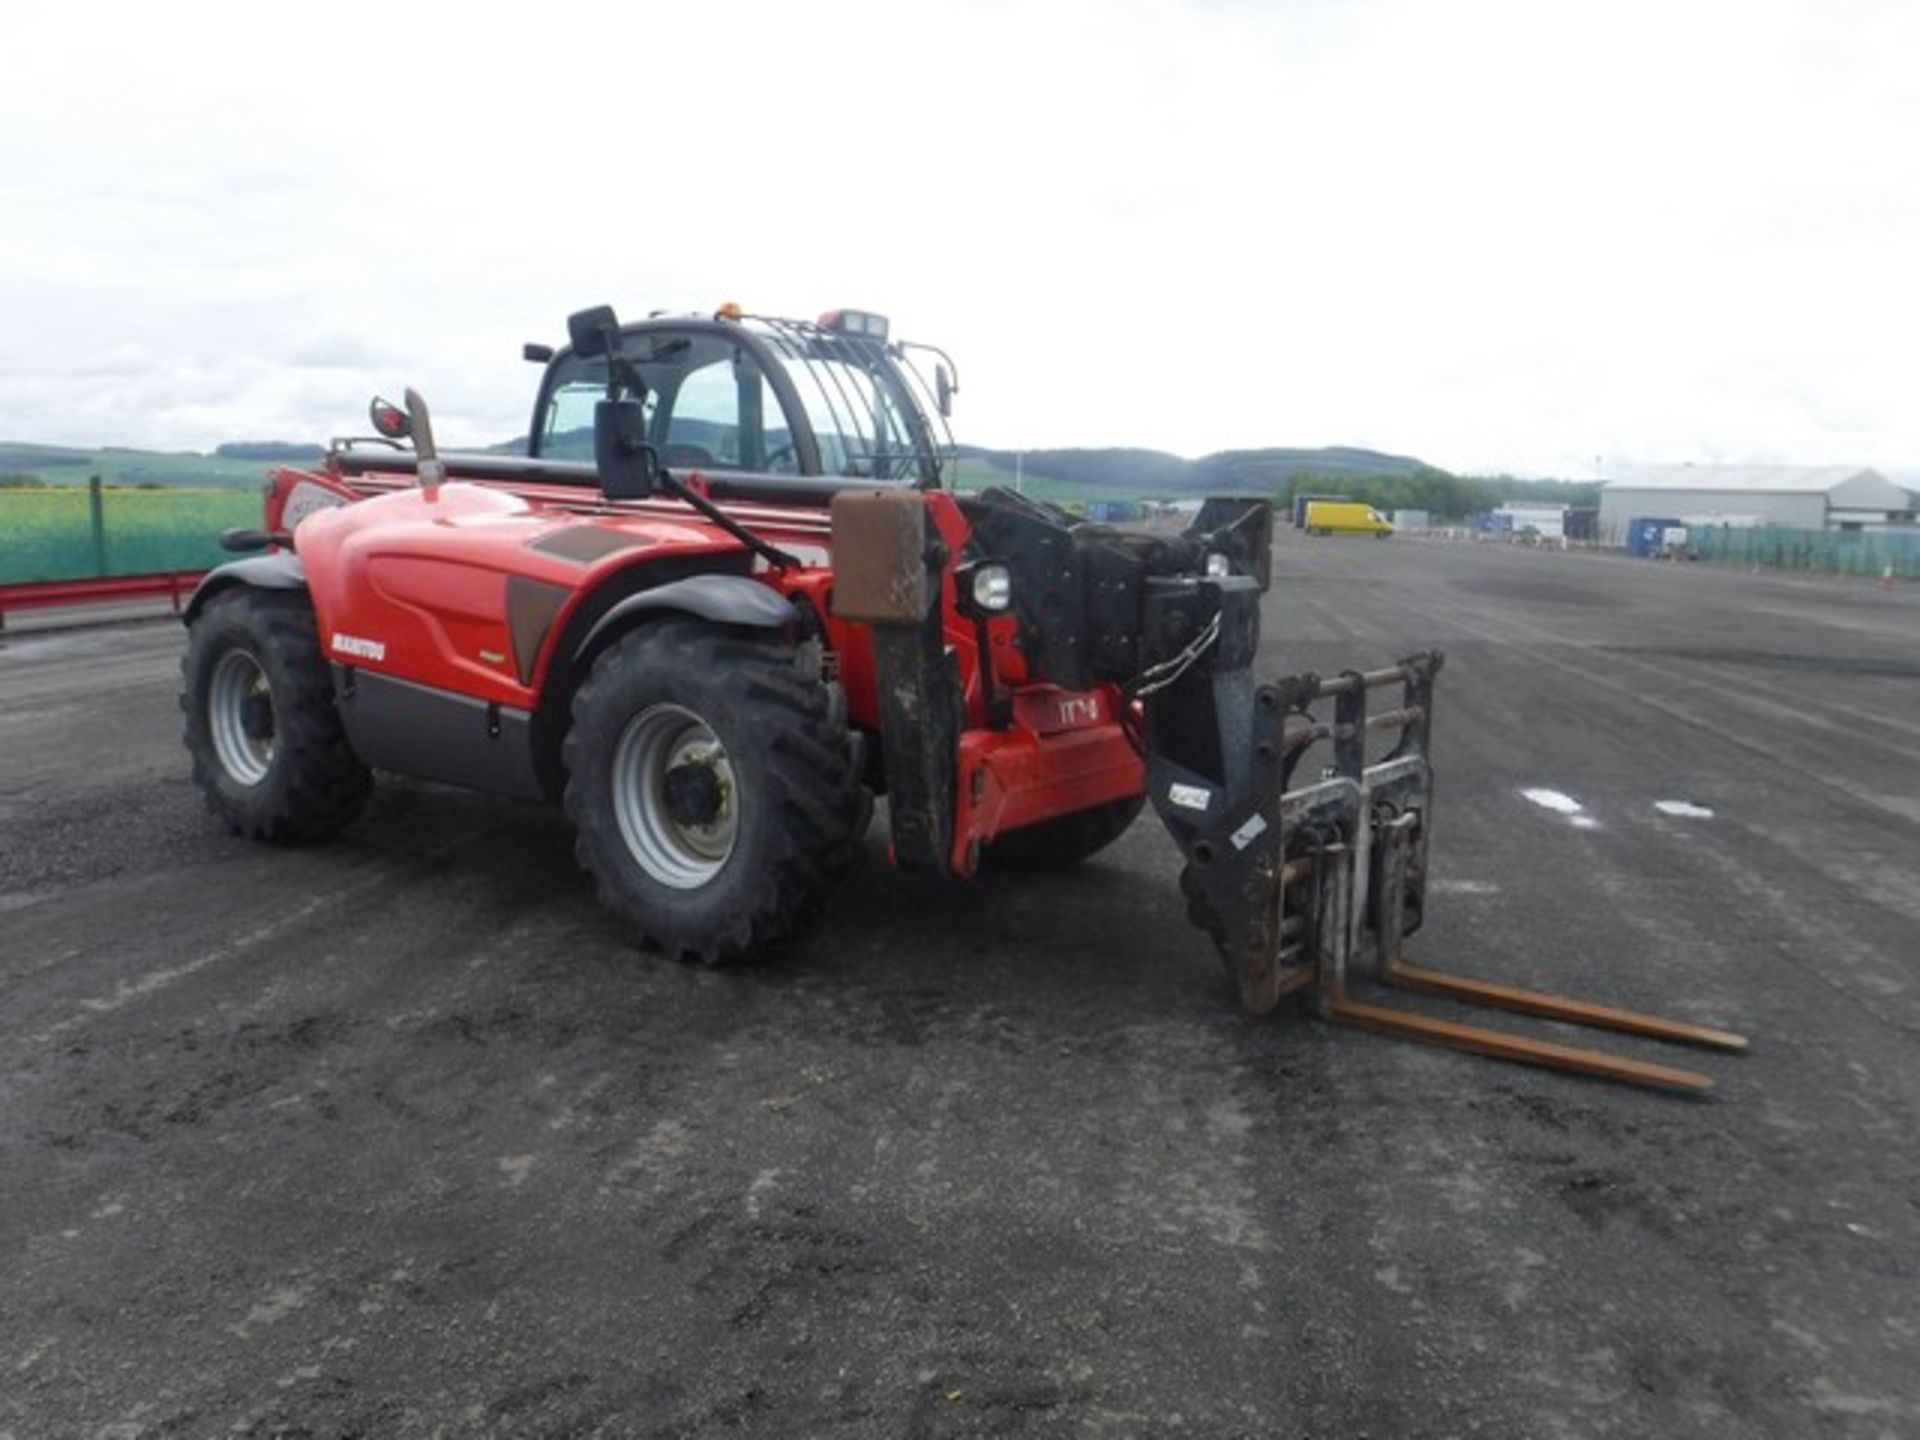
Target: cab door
column 722, row 415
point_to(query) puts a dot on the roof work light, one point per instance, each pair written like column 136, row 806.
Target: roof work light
column 855, row 322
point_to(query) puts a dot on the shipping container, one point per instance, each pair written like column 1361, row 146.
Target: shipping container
column 1647, row 534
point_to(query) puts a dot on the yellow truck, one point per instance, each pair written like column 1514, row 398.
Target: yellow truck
column 1346, row 517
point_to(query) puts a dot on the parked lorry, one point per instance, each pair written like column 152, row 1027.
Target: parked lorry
column 1346, row 517
column 724, row 599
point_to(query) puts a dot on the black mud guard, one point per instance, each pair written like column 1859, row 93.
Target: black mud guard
column 279, row 571
column 723, row 599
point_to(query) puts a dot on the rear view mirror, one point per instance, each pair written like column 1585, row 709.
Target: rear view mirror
column 629, row 467
column 390, row 422
column 943, row 388
column 594, row 332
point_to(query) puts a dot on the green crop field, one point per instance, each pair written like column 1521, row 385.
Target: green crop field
column 48, row 534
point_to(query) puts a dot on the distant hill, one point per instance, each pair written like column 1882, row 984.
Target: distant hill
column 274, row 450
column 228, row 465
column 23, row 458
column 1269, row 469
column 1092, row 469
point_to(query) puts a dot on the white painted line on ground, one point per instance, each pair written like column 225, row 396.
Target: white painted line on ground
column 1562, row 804
column 1683, row 807
column 1555, row 801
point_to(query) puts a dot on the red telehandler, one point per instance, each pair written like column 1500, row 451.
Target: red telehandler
column 723, row 599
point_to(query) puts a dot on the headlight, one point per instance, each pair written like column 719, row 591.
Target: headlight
column 1218, row 566
column 991, row 586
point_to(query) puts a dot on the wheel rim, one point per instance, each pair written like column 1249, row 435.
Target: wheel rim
column 240, row 715
column 679, row 851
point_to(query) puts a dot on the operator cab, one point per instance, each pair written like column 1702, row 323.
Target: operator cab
column 750, row 402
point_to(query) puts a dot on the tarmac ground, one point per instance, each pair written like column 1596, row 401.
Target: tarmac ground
column 397, row 1135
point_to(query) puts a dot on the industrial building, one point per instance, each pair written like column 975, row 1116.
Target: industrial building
column 1799, row 497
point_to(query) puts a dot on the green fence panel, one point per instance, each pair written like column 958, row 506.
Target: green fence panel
column 52, row 534
column 1871, row 553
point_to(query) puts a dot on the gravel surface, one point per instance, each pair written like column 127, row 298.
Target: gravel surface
column 397, row 1136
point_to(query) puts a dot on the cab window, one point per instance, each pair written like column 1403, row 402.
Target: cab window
column 703, row 428
column 781, row 457
column 858, row 414
column 566, row 430
column 709, row 406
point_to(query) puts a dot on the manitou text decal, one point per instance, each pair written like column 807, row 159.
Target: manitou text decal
column 354, row 645
column 1079, row 710
column 1048, row 711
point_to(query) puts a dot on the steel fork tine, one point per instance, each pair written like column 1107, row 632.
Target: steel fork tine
column 1557, row 1007
column 1381, row 1020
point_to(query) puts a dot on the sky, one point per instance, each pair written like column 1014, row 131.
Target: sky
column 1515, row 236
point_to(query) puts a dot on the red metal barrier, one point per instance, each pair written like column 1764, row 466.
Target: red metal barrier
column 175, row 585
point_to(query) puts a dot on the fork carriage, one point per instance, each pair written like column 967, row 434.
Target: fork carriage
column 1303, row 884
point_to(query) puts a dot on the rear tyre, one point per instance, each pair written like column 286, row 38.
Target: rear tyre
column 1065, row 840
column 269, row 752
column 714, row 785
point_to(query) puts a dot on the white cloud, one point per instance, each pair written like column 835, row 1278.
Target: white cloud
column 1495, row 234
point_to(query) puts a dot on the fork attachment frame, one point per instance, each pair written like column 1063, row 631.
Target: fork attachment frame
column 1301, row 885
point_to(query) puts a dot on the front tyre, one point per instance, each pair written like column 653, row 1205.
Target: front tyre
column 714, row 785
column 269, row 752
